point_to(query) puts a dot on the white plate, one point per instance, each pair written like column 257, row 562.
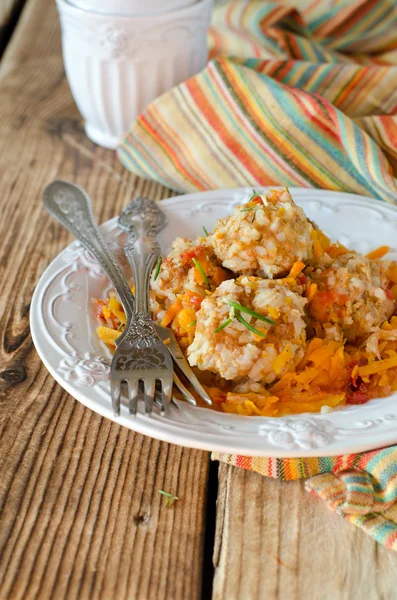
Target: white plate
column 64, row 325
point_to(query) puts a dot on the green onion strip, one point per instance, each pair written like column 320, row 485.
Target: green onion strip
column 248, row 326
column 158, row 267
column 200, row 268
column 235, row 312
column 244, row 309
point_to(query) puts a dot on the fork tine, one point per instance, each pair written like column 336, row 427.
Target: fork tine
column 115, row 392
column 133, row 391
column 150, row 389
column 167, row 394
column 180, row 360
column 184, row 391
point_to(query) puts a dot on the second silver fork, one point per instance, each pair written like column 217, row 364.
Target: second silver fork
column 142, row 357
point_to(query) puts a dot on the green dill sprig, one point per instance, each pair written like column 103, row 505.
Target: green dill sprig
column 205, row 230
column 244, row 309
column 249, row 326
column 171, row 498
column 192, row 323
column 255, row 207
column 227, row 322
column 235, row 313
column 203, row 273
column 158, row 267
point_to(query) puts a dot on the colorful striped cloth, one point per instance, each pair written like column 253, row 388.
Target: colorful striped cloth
column 302, row 99
column 300, row 93
column 360, row 487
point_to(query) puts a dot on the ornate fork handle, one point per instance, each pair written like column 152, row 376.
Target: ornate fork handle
column 71, row 206
column 142, row 254
column 142, row 220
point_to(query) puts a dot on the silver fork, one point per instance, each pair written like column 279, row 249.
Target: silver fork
column 149, row 360
column 71, row 206
column 142, row 220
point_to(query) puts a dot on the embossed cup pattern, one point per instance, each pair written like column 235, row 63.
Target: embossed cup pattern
column 116, row 66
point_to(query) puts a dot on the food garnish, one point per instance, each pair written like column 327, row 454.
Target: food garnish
column 158, row 267
column 205, row 230
column 171, row 498
column 227, row 322
column 249, row 326
column 203, row 273
column 255, row 207
column 235, row 312
column 378, row 252
column 244, row 309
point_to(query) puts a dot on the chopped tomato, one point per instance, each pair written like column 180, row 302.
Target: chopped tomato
column 342, row 299
column 100, row 304
column 194, row 299
column 357, row 398
column 321, row 305
column 301, row 279
column 194, row 252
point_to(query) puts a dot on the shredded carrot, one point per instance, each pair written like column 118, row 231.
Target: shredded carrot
column 311, row 291
column 282, row 359
column 378, row 366
column 171, row 312
column 391, row 272
column 379, row 252
column 186, row 317
column 321, row 238
column 297, row 267
column 317, row 250
column 336, row 250
column 108, row 335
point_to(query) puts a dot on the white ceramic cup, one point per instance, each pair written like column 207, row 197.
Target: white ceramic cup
column 131, row 7
column 116, row 66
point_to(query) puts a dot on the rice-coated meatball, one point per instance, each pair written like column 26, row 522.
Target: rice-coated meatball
column 179, row 271
column 235, row 352
column 264, row 237
column 352, row 296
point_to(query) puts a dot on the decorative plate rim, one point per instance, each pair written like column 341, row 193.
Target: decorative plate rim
column 83, row 374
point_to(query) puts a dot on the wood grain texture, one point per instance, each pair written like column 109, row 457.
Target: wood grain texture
column 7, row 7
column 275, row 541
column 81, row 515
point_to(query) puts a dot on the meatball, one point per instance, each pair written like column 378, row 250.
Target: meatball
column 352, row 297
column 190, row 266
column 235, row 352
column 264, row 237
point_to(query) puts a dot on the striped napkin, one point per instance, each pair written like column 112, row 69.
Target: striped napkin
column 301, row 99
column 300, row 93
column 360, row 487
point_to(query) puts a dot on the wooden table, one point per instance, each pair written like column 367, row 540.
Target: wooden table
column 81, row 515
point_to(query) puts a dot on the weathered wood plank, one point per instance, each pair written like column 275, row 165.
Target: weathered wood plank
column 9, row 13
column 275, row 541
column 6, row 9
column 81, row 516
